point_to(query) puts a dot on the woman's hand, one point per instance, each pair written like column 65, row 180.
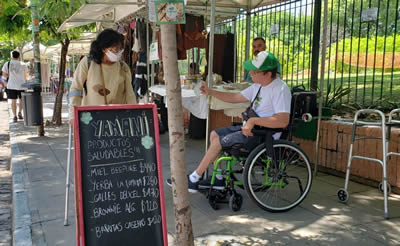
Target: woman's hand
column 246, row 129
column 100, row 90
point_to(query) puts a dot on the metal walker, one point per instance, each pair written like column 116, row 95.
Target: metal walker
column 342, row 193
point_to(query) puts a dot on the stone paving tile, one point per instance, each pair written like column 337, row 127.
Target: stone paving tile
column 5, row 179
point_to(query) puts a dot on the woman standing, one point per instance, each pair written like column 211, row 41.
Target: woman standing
column 102, row 78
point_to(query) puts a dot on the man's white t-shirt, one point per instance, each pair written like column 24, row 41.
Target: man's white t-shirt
column 273, row 99
column 16, row 75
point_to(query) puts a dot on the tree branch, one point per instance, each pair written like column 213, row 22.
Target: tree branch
column 55, row 33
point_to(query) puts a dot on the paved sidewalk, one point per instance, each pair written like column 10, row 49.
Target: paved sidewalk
column 5, row 179
column 319, row 220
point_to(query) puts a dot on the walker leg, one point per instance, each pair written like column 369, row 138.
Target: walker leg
column 346, row 182
column 385, row 196
column 384, row 160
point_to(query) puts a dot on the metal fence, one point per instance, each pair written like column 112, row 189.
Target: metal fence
column 362, row 54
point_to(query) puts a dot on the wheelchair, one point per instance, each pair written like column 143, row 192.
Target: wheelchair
column 276, row 174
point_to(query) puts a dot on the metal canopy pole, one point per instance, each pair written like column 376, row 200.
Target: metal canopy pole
column 234, row 51
column 148, row 59
column 152, row 62
column 247, row 50
column 210, row 69
column 211, row 44
column 321, row 86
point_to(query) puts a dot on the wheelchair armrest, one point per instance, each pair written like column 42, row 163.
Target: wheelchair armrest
column 263, row 131
column 267, row 133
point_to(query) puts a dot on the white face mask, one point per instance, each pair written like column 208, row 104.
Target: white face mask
column 114, row 57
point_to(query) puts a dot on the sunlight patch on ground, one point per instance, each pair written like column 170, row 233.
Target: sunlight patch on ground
column 260, row 224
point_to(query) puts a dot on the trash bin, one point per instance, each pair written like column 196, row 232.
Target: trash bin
column 32, row 102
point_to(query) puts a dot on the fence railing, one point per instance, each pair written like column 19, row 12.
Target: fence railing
column 363, row 51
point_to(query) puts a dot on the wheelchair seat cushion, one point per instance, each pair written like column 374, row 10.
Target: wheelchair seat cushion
column 232, row 136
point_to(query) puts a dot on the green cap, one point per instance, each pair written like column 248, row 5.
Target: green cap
column 264, row 61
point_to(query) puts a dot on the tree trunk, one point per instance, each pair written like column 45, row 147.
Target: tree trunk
column 60, row 91
column 183, row 222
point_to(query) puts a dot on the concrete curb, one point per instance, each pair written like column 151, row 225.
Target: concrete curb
column 22, row 221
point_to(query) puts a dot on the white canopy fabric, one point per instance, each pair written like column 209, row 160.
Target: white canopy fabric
column 73, row 48
column 49, row 52
column 101, row 11
column 113, row 11
column 45, row 52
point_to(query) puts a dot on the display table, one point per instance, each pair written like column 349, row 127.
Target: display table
column 230, row 109
column 222, row 114
column 197, row 104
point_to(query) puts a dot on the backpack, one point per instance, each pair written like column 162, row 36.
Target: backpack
column 303, row 101
column 8, row 71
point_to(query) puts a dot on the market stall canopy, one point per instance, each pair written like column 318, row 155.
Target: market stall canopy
column 112, row 11
column 45, row 52
column 73, row 48
column 101, row 11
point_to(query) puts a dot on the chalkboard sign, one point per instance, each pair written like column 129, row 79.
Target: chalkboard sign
column 119, row 192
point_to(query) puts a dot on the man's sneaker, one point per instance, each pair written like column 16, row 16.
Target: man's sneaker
column 20, row 116
column 15, row 119
column 219, row 184
column 192, row 187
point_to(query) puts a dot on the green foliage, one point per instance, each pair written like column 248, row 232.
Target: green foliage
column 334, row 95
column 381, row 43
column 9, row 25
column 386, row 104
column 53, row 14
column 14, row 32
column 352, row 22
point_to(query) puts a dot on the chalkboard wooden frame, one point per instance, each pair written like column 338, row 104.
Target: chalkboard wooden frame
column 80, row 228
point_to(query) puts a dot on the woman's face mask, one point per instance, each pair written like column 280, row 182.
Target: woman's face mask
column 114, row 57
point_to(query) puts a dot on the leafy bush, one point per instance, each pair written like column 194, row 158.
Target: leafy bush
column 332, row 96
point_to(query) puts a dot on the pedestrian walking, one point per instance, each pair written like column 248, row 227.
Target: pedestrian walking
column 15, row 72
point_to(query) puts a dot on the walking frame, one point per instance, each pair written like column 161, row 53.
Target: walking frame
column 342, row 193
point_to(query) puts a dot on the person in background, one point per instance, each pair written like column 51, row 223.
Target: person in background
column 193, row 68
column 205, row 73
column 102, row 78
column 67, row 87
column 14, row 73
column 258, row 46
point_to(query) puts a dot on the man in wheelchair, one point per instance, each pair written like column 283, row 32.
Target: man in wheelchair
column 270, row 100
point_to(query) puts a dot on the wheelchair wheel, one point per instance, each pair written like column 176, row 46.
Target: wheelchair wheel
column 389, row 188
column 235, row 202
column 279, row 184
column 343, row 195
column 212, row 200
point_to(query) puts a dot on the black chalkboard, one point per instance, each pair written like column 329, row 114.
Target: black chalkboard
column 119, row 182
